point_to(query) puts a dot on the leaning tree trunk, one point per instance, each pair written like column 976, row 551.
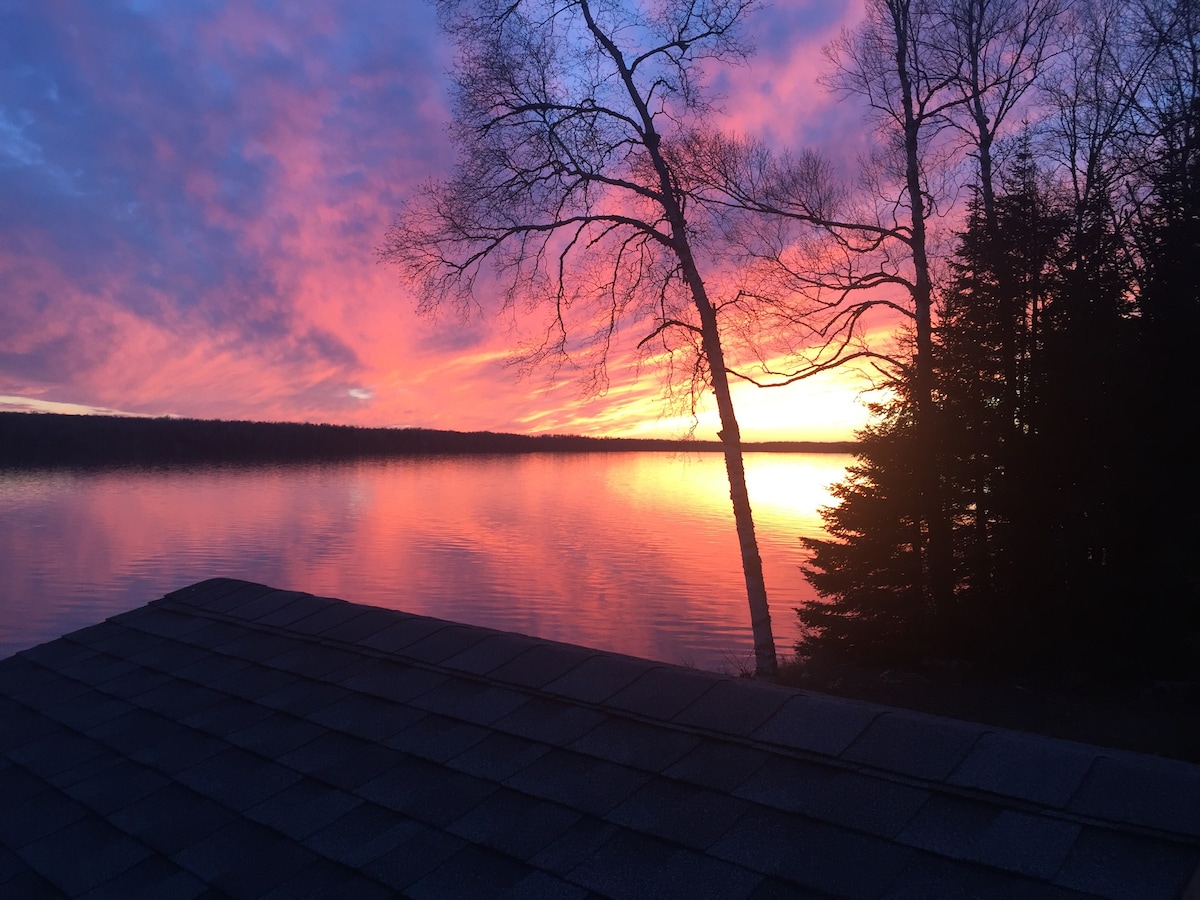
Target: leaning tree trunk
column 939, row 559
column 765, row 664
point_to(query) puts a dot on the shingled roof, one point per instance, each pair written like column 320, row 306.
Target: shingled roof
column 258, row 742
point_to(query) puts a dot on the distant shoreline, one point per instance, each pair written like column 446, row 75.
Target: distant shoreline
column 41, row 440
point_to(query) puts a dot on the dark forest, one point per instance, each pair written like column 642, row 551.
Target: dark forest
column 1026, row 499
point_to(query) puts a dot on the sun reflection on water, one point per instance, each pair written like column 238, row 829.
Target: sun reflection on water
column 628, row 552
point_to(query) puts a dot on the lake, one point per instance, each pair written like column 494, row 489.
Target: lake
column 630, row 552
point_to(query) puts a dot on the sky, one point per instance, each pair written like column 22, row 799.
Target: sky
column 192, row 194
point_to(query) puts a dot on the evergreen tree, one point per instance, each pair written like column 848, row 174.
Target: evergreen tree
column 991, row 371
column 1061, row 391
column 872, row 571
column 1045, row 493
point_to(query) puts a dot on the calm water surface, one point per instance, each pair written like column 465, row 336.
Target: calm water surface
column 628, row 552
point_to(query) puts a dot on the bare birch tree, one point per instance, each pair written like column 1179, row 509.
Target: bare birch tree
column 997, row 51
column 567, row 197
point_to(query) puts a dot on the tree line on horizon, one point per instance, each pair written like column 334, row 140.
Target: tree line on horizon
column 47, row 439
column 1022, row 498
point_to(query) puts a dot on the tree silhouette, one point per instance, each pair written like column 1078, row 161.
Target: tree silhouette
column 568, row 196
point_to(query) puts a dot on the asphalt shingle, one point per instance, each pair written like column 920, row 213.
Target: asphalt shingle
column 231, row 738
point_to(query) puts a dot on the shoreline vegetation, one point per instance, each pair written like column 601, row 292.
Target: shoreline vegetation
column 1147, row 717
column 1138, row 715
column 46, row 440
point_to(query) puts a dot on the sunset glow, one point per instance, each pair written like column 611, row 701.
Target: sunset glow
column 194, row 194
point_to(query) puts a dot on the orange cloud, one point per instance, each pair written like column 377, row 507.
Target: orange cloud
column 194, row 197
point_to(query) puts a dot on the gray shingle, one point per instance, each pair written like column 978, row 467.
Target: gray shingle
column 173, row 818
column 720, row 765
column 22, row 725
column 98, row 669
column 367, row 717
column 419, row 855
column 363, row 834
column 637, row 744
column 1162, row 794
column 580, row 782
column 1001, row 838
column 37, row 815
column 406, row 631
column 304, row 696
column 213, row 668
column 314, row 660
column 113, row 639
column 663, row 693
column 819, row 724
column 115, row 787
column 542, row 664
column 154, row 878
column 392, row 681
column 253, row 682
column 47, row 692
column 233, row 739
column 220, row 594
column 244, row 859
column 328, row 615
column 136, row 682
column 928, row 876
column 301, row 607
column 1126, row 867
column 426, row 792
column 470, row 873
column 498, row 756
column 734, row 708
column 850, row 799
column 683, row 814
column 444, row 643
column 491, row 653
column 303, row 808
column 57, row 654
column 88, row 710
column 575, row 845
column 599, row 677
column 550, row 721
column 166, row 623
column 635, row 866
column 812, row 854
column 83, row 855
column 369, row 621
column 539, row 885
column 914, row 744
column 322, row 879
column 470, row 701
column 276, row 734
column 168, row 655
column 1025, row 766
column 514, row 823
column 18, row 673
column 260, row 647
column 250, row 606
column 179, row 699
column 437, row 738
column 18, row 784
column 56, row 752
column 341, row 760
column 237, row 779
column 226, row 718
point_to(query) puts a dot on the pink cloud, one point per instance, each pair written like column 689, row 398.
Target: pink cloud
column 199, row 238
